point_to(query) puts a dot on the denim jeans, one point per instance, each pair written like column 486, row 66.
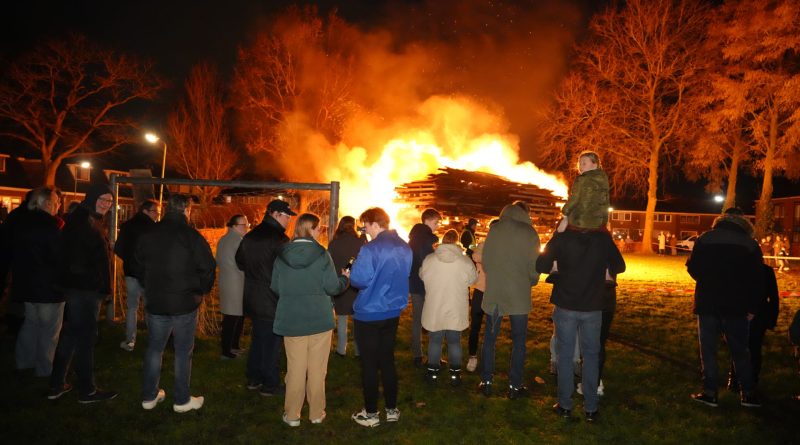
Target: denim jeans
column 519, row 330
column 38, row 337
column 476, row 319
column 265, row 349
column 417, row 302
column 736, row 334
column 586, row 326
column 134, row 291
column 341, row 336
column 453, row 348
column 576, row 357
column 77, row 337
column 159, row 328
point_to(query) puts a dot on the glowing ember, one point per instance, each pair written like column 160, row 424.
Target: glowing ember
column 463, row 135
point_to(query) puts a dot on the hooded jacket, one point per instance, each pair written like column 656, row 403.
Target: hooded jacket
column 726, row 264
column 421, row 240
column 343, row 247
column 125, row 247
column 381, row 273
column 177, row 266
column 583, row 258
column 84, row 251
column 588, row 202
column 447, row 274
column 256, row 257
column 305, row 279
column 509, row 259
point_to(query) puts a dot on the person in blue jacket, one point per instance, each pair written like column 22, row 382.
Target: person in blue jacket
column 380, row 272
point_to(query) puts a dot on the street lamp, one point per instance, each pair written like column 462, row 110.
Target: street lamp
column 84, row 165
column 153, row 138
column 719, row 198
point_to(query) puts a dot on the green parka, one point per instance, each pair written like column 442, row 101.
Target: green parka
column 509, row 260
column 304, row 278
column 588, row 202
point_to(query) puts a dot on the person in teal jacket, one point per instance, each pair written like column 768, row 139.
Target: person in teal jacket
column 304, row 278
column 380, row 272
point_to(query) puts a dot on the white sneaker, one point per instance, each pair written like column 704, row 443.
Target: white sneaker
column 364, row 418
column 292, row 423
column 127, row 345
column 392, row 414
column 600, row 388
column 579, row 389
column 193, row 403
column 321, row 418
column 472, row 363
column 152, row 403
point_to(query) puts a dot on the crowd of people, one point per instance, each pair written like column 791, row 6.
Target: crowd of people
column 296, row 293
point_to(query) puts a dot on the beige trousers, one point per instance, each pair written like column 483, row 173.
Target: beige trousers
column 307, row 366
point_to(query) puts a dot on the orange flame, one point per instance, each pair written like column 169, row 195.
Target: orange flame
column 457, row 134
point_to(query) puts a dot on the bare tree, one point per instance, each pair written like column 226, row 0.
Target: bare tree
column 295, row 75
column 201, row 146
column 625, row 96
column 759, row 43
column 68, row 97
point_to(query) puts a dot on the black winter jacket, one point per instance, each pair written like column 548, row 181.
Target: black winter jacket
column 177, row 266
column 583, row 257
column 767, row 314
column 34, row 251
column 342, row 248
column 726, row 263
column 421, row 240
column 84, row 253
column 125, row 247
column 256, row 257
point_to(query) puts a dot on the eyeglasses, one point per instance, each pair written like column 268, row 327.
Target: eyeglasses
column 243, row 224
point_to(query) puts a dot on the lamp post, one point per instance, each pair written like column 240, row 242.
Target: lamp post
column 84, row 165
column 153, row 138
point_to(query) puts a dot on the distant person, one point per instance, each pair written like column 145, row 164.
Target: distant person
column 766, row 249
column 305, row 278
column 509, row 259
column 579, row 300
column 84, row 275
column 447, row 274
column 34, row 252
column 125, row 248
column 662, row 243
column 178, row 270
column 673, row 244
column 421, row 240
column 475, row 310
column 231, row 287
column 766, row 317
column 380, row 272
column 344, row 248
column 726, row 264
column 468, row 238
column 256, row 257
column 777, row 247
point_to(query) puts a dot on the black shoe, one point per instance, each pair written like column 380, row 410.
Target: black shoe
column 455, row 377
column 253, row 385
column 485, row 387
column 97, row 396
column 750, row 401
column 563, row 412
column 517, row 392
column 56, row 393
column 418, row 362
column 339, row 354
column 274, row 391
column 432, row 376
column 705, row 398
column 592, row 417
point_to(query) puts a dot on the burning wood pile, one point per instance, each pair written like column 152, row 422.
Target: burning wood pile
column 461, row 194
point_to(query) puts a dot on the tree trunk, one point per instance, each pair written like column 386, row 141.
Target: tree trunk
column 50, row 172
column 763, row 220
column 652, row 188
column 733, row 175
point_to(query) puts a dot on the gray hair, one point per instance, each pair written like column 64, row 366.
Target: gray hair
column 41, row 196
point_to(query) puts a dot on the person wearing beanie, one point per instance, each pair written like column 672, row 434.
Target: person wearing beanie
column 726, row 264
column 84, row 275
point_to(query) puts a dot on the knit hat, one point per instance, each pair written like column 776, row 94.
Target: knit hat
column 95, row 191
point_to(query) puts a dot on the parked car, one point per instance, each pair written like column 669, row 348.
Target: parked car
column 687, row 244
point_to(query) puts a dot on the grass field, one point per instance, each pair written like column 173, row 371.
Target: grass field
column 652, row 368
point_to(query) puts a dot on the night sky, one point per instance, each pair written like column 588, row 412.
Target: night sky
column 179, row 34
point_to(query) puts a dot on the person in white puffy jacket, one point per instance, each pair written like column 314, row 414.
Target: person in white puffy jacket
column 447, row 274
